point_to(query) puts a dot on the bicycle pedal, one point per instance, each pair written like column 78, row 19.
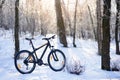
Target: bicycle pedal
column 46, row 64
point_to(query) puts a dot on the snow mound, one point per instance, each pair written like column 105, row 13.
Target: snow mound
column 74, row 65
column 115, row 64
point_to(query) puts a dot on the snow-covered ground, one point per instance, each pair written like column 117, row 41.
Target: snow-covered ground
column 86, row 52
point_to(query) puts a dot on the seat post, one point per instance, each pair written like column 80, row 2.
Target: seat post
column 32, row 44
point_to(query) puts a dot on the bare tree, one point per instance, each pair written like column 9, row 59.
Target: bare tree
column 1, row 12
column 60, row 23
column 67, row 16
column 16, row 28
column 93, row 30
column 117, row 27
column 75, row 22
column 99, row 26
column 106, row 36
column 44, row 23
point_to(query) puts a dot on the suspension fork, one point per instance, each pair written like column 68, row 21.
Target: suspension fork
column 54, row 55
column 53, row 52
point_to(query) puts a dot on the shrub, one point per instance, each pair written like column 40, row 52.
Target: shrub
column 74, row 66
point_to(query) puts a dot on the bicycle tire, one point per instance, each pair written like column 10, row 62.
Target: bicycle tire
column 56, row 65
column 28, row 64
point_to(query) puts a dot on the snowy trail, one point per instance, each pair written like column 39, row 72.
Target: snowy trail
column 85, row 52
column 92, row 62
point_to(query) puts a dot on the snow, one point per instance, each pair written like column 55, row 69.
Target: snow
column 86, row 53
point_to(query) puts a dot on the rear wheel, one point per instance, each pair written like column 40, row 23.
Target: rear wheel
column 56, row 60
column 25, row 62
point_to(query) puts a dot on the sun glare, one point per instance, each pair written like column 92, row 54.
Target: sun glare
column 82, row 2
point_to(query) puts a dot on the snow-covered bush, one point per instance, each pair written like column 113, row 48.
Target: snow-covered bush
column 74, row 65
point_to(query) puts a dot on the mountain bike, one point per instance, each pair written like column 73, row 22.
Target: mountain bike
column 25, row 60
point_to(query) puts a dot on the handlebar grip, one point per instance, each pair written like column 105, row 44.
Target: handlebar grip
column 44, row 38
column 27, row 38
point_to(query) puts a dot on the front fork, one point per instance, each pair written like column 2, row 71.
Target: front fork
column 54, row 55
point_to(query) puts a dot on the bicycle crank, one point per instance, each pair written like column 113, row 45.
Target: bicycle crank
column 40, row 62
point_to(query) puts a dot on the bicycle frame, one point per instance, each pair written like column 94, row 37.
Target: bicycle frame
column 35, row 49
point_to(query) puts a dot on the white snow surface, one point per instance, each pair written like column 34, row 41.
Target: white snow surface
column 86, row 53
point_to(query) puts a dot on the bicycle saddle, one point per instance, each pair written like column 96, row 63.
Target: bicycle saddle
column 29, row 38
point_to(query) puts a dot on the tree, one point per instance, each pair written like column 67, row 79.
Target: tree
column 1, row 12
column 16, row 28
column 75, row 20
column 99, row 26
column 92, row 22
column 106, row 35
column 67, row 16
column 60, row 23
column 117, row 27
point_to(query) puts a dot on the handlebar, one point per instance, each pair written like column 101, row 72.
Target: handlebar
column 30, row 39
column 49, row 38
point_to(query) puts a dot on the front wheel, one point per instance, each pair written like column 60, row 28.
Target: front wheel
column 56, row 60
column 24, row 62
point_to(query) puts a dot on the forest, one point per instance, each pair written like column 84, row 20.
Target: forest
column 69, row 20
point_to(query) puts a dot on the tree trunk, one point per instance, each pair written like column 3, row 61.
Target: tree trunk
column 1, row 18
column 67, row 16
column 92, row 22
column 1, row 12
column 16, row 28
column 60, row 23
column 75, row 20
column 106, row 36
column 117, row 27
column 70, row 24
column 99, row 26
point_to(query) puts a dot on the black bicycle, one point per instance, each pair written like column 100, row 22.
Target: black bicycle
column 25, row 61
